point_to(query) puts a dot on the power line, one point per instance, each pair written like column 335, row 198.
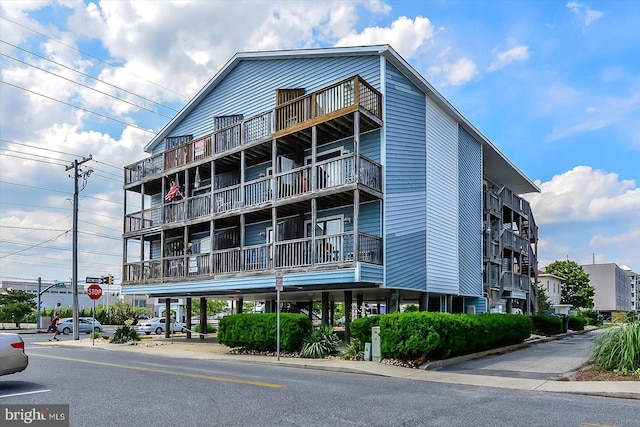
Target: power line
column 40, row 148
column 86, row 86
column 60, row 191
column 51, row 247
column 58, row 208
column 32, row 246
column 94, row 57
column 107, row 164
column 79, row 108
column 34, row 160
column 62, row 262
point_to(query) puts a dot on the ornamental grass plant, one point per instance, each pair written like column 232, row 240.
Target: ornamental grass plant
column 618, row 349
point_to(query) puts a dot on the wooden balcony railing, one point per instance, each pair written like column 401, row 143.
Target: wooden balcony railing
column 258, row 192
column 296, row 253
column 515, row 281
column 329, row 174
column 330, row 100
column 510, row 240
column 142, row 220
column 370, row 173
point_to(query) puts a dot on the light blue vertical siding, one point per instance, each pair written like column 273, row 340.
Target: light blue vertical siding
column 442, row 201
column 406, row 175
column 250, row 88
column 370, row 145
column 370, row 214
column 470, row 214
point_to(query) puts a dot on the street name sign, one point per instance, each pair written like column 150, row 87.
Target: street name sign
column 92, row 280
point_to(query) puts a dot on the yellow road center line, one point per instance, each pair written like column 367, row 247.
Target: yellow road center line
column 594, row 425
column 164, row 371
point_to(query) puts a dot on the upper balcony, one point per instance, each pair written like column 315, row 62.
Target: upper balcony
column 331, row 109
column 332, row 175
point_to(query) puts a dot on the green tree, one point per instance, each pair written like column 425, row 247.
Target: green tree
column 15, row 306
column 543, row 300
column 213, row 307
column 577, row 289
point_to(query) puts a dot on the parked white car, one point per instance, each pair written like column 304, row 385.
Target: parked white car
column 12, row 357
column 85, row 324
column 156, row 325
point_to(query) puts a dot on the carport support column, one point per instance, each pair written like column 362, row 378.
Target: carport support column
column 325, row 308
column 203, row 317
column 394, row 301
column 359, row 302
column 423, row 303
column 189, row 328
column 167, row 317
column 240, row 304
column 348, row 301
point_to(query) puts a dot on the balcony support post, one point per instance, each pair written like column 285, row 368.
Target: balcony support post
column 325, row 308
column 314, row 202
column 188, row 319
column 348, row 301
column 203, row 317
column 274, row 212
column 356, row 192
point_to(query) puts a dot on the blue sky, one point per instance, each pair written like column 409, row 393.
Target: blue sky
column 554, row 84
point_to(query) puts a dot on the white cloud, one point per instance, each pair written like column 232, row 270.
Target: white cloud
column 584, row 194
column 405, row 35
column 586, row 15
column 456, row 73
column 624, row 239
column 517, row 53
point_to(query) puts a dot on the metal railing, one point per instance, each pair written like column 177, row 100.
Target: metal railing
column 295, row 253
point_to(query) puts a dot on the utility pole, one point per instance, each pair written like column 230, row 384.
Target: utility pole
column 77, row 173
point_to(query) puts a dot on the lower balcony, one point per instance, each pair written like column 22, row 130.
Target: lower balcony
column 334, row 250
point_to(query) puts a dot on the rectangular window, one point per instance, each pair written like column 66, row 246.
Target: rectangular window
column 173, row 141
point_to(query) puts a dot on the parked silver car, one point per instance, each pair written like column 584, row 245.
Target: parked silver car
column 156, row 325
column 12, row 356
column 85, row 325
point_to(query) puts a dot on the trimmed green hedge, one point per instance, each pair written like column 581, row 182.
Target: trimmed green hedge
column 442, row 335
column 577, row 323
column 547, row 325
column 256, row 331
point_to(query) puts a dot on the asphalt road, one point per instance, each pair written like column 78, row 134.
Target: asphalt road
column 109, row 388
column 549, row 360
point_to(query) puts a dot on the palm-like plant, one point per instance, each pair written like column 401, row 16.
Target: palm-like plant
column 319, row 343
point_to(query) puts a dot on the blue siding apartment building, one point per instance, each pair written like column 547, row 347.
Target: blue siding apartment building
column 342, row 168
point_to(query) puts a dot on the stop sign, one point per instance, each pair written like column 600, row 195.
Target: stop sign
column 94, row 291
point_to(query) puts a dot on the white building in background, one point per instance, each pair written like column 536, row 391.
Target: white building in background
column 552, row 286
column 612, row 285
column 634, row 282
column 61, row 294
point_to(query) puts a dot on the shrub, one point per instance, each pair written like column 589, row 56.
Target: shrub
column 258, row 331
column 319, row 343
column 592, row 316
column 577, row 323
column 618, row 348
column 547, row 325
column 125, row 333
column 441, row 335
column 361, row 328
column 354, row 351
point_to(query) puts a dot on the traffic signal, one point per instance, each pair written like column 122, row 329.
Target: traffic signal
column 104, row 280
column 111, row 279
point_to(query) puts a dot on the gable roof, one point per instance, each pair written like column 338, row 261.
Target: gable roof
column 496, row 166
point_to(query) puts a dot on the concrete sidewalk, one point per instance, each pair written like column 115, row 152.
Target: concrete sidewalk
column 208, row 348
